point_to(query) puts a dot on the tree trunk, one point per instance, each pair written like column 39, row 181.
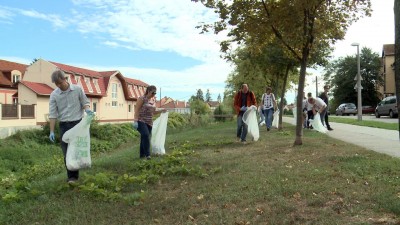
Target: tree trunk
column 396, row 9
column 299, row 100
column 283, row 96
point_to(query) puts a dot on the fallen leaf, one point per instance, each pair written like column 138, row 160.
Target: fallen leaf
column 297, row 195
column 191, row 218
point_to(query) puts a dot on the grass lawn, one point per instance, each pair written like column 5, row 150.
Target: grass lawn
column 208, row 178
column 367, row 123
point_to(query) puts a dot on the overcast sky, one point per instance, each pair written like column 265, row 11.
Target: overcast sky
column 153, row 41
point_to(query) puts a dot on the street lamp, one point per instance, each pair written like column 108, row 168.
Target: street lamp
column 358, row 85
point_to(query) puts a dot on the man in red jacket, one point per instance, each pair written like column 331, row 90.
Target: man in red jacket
column 243, row 99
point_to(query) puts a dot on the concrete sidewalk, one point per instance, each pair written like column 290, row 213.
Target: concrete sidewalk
column 379, row 140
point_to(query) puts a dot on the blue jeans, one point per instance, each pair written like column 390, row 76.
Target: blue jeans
column 268, row 113
column 145, row 135
column 241, row 128
column 64, row 127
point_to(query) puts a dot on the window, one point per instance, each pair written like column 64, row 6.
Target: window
column 114, row 103
column 131, row 90
column 88, row 84
column 114, row 91
column 96, row 85
column 129, row 108
column 16, row 78
column 78, row 80
column 94, row 107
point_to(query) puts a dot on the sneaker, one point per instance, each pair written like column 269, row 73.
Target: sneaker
column 244, row 142
column 72, row 180
column 267, row 128
column 148, row 157
column 330, row 128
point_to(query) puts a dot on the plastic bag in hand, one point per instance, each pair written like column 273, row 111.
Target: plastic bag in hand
column 158, row 134
column 317, row 124
column 275, row 121
column 78, row 139
column 250, row 118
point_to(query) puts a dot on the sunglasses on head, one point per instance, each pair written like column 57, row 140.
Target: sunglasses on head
column 154, row 93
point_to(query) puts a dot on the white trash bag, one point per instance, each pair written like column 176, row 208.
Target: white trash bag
column 275, row 121
column 158, row 134
column 78, row 139
column 250, row 118
column 317, row 124
column 295, row 115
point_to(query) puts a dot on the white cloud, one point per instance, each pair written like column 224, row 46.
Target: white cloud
column 167, row 25
column 371, row 32
column 52, row 18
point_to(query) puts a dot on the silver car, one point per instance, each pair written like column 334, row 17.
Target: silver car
column 346, row 109
column 387, row 107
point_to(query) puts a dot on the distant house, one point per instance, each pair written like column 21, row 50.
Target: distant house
column 172, row 105
column 10, row 74
column 387, row 71
column 213, row 104
column 111, row 95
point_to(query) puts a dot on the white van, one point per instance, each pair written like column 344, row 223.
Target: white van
column 387, row 107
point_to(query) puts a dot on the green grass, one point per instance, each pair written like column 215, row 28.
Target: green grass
column 367, row 123
column 208, row 178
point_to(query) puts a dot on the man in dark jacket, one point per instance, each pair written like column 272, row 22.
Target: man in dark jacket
column 324, row 97
column 243, row 99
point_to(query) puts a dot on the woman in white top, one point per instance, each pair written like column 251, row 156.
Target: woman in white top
column 269, row 104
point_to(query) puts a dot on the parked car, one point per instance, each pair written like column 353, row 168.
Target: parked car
column 346, row 109
column 387, row 107
column 367, row 109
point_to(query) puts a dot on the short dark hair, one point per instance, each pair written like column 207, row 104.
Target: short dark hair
column 150, row 88
column 57, row 75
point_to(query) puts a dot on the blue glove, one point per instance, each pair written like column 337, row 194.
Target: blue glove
column 51, row 136
column 89, row 112
column 135, row 125
column 244, row 108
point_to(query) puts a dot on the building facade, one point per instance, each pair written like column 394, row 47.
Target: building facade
column 387, row 71
column 112, row 96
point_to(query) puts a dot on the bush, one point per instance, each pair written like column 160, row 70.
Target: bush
column 222, row 110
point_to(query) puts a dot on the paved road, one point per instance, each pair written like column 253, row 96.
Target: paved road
column 379, row 140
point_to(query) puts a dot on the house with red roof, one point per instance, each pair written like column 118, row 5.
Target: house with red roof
column 112, row 96
column 10, row 74
column 172, row 105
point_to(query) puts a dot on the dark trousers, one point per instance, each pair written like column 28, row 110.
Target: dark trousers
column 64, row 127
column 145, row 135
column 326, row 119
column 241, row 128
column 310, row 115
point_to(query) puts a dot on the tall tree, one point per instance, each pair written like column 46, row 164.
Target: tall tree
column 306, row 28
column 199, row 95
column 396, row 9
column 340, row 75
column 208, row 96
column 219, row 99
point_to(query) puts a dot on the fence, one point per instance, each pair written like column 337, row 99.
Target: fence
column 14, row 111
